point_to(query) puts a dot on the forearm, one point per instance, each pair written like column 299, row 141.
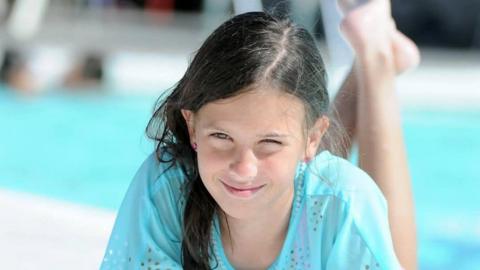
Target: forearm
column 382, row 151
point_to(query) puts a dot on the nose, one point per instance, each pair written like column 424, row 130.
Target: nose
column 244, row 165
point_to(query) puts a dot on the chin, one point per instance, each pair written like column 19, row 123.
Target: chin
column 239, row 212
column 238, row 208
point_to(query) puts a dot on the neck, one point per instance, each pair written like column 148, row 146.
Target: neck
column 258, row 239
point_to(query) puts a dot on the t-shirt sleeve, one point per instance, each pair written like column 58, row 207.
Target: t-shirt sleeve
column 364, row 239
column 147, row 230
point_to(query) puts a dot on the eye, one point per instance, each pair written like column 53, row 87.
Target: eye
column 221, row 136
column 272, row 141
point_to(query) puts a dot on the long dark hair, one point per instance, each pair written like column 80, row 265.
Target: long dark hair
column 251, row 49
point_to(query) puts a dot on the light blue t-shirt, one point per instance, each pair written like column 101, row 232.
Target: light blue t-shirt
column 338, row 221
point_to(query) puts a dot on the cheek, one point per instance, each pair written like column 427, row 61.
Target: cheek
column 209, row 164
column 280, row 170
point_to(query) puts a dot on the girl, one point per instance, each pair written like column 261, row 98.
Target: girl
column 240, row 178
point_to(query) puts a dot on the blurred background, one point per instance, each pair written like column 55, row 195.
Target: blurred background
column 79, row 80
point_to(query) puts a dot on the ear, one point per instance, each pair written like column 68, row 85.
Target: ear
column 315, row 136
column 189, row 117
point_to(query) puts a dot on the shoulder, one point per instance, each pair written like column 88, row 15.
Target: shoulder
column 160, row 184
column 357, row 212
column 158, row 172
column 148, row 223
column 350, row 186
column 328, row 174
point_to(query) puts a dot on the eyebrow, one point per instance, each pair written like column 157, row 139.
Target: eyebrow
column 274, row 135
column 267, row 135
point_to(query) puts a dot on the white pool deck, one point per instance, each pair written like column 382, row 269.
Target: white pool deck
column 42, row 233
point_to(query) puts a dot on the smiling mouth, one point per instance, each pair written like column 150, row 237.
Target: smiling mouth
column 242, row 192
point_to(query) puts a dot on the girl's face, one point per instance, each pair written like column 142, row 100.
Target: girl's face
column 248, row 147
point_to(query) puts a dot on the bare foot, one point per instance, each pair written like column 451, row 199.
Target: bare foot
column 368, row 26
column 407, row 55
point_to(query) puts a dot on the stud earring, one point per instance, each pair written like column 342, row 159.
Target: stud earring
column 194, row 146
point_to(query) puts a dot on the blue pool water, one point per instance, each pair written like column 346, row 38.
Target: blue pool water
column 86, row 149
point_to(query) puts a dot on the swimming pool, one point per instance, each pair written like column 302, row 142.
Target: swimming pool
column 86, row 149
